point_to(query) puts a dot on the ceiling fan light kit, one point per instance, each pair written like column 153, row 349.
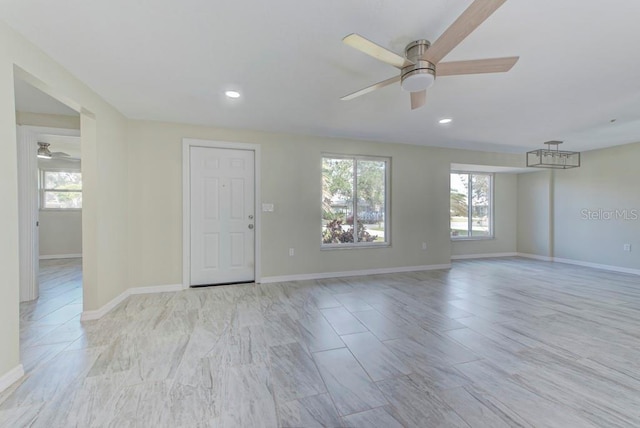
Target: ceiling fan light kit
column 43, row 151
column 420, row 75
column 552, row 157
column 419, row 66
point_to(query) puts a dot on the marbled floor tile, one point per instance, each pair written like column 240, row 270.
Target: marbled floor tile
column 350, row 387
column 247, row 398
column 377, row 360
column 281, row 329
column 137, row 405
column 89, row 403
column 22, row 416
column 62, row 315
column 51, row 380
column 246, row 346
column 294, row 374
column 417, row 407
column 531, row 407
column 118, row 356
column 189, row 405
column 382, row 327
column 317, row 334
column 310, row 412
column 322, row 299
column 342, row 321
column 353, row 302
column 68, row 332
column 438, row 377
column 34, row 356
column 426, row 351
column 374, row 418
column 486, row 348
column 475, row 412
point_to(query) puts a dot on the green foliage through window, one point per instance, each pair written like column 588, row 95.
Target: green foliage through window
column 354, row 185
column 61, row 189
column 470, row 205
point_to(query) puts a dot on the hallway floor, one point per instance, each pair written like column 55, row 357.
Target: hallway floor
column 51, row 323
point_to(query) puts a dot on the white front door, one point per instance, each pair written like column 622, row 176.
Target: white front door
column 222, row 215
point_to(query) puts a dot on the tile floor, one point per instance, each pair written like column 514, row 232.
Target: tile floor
column 490, row 343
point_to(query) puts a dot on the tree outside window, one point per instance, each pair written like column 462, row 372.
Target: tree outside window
column 61, row 189
column 471, row 205
column 354, row 184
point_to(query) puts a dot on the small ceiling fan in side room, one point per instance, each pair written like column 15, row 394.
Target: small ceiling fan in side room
column 45, row 153
column 421, row 62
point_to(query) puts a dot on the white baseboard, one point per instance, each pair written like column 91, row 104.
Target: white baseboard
column 99, row 313
column 8, row 379
column 156, row 289
column 597, row 266
column 61, row 256
column 482, row 256
column 535, row 257
column 611, row 268
column 325, row 275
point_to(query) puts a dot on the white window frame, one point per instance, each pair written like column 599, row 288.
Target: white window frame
column 43, row 191
column 387, row 202
column 470, row 237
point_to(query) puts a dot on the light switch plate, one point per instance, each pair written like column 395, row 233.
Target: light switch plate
column 268, row 208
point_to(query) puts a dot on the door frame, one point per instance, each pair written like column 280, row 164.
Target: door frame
column 187, row 143
column 28, row 200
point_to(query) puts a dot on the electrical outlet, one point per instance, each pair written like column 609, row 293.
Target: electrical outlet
column 627, row 247
column 292, row 252
column 424, row 245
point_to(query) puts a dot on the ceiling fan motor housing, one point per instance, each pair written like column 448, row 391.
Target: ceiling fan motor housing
column 422, row 74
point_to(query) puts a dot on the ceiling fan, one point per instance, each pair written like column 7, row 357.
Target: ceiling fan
column 45, row 153
column 421, row 61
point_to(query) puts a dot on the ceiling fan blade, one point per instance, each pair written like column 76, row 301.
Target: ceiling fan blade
column 476, row 66
column 371, row 88
column 470, row 19
column 418, row 99
column 376, row 51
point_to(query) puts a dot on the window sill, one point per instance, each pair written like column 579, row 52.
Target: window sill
column 329, row 247
column 473, row 238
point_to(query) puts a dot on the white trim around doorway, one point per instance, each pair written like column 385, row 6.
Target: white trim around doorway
column 187, row 143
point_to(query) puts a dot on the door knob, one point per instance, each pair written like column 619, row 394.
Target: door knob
column 250, row 226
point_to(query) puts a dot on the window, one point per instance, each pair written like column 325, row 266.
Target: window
column 471, row 205
column 60, row 189
column 355, row 184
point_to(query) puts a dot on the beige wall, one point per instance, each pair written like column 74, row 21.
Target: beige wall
column 534, row 209
column 505, row 216
column 60, row 232
column 607, row 181
column 291, row 181
column 553, row 210
column 104, row 175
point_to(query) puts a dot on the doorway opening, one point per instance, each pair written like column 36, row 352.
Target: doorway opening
column 50, row 211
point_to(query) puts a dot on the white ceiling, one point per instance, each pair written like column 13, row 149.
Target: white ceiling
column 171, row 60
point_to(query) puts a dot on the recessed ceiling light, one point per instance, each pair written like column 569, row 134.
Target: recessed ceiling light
column 445, row 121
column 232, row 94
